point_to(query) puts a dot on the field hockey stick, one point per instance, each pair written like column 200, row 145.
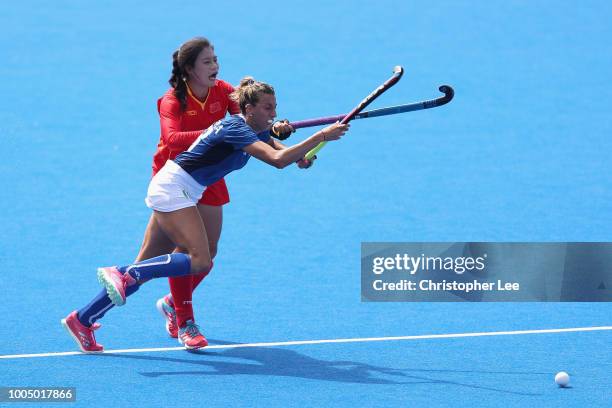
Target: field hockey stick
column 448, row 91
column 398, row 71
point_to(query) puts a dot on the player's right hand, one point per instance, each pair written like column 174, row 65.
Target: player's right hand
column 304, row 163
column 335, row 131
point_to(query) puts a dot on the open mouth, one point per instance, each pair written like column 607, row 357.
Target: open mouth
column 213, row 76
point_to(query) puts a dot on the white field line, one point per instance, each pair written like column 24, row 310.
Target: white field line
column 304, row 342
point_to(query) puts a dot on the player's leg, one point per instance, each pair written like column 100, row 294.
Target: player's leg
column 81, row 323
column 183, row 236
column 181, row 288
column 212, row 215
column 185, row 228
column 155, row 241
column 178, row 303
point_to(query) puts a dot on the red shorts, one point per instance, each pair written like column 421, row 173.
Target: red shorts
column 216, row 194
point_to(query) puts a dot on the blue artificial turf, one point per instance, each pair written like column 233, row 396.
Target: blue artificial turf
column 521, row 154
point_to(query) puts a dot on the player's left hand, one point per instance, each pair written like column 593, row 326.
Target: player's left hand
column 305, row 163
column 282, row 129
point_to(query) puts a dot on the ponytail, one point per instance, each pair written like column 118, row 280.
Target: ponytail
column 248, row 92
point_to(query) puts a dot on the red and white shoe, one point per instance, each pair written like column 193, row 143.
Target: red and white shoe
column 190, row 336
column 84, row 336
column 166, row 308
column 115, row 283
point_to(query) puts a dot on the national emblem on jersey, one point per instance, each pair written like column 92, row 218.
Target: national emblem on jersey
column 214, row 107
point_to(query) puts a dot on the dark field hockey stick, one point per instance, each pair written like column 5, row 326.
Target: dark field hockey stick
column 398, row 71
column 448, row 91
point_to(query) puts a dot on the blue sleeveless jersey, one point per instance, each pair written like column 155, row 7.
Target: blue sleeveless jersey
column 218, row 150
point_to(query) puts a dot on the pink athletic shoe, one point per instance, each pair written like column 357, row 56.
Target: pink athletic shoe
column 115, row 283
column 84, row 336
column 166, row 308
column 190, row 336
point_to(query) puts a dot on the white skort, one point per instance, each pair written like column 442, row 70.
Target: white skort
column 172, row 188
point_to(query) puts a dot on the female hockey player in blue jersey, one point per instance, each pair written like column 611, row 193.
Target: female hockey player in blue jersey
column 174, row 192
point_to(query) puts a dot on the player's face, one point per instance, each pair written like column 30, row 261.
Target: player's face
column 264, row 112
column 205, row 69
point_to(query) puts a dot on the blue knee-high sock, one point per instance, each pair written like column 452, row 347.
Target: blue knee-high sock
column 176, row 264
column 97, row 308
column 162, row 266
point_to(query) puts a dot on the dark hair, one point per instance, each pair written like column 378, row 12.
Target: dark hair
column 248, row 92
column 182, row 58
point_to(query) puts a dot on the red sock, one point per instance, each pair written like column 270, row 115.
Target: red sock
column 181, row 289
column 197, row 279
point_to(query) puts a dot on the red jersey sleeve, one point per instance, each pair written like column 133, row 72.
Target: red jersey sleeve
column 232, row 107
column 170, row 122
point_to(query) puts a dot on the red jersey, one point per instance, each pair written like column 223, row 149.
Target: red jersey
column 180, row 128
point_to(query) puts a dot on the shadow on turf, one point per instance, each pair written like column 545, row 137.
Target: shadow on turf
column 284, row 362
